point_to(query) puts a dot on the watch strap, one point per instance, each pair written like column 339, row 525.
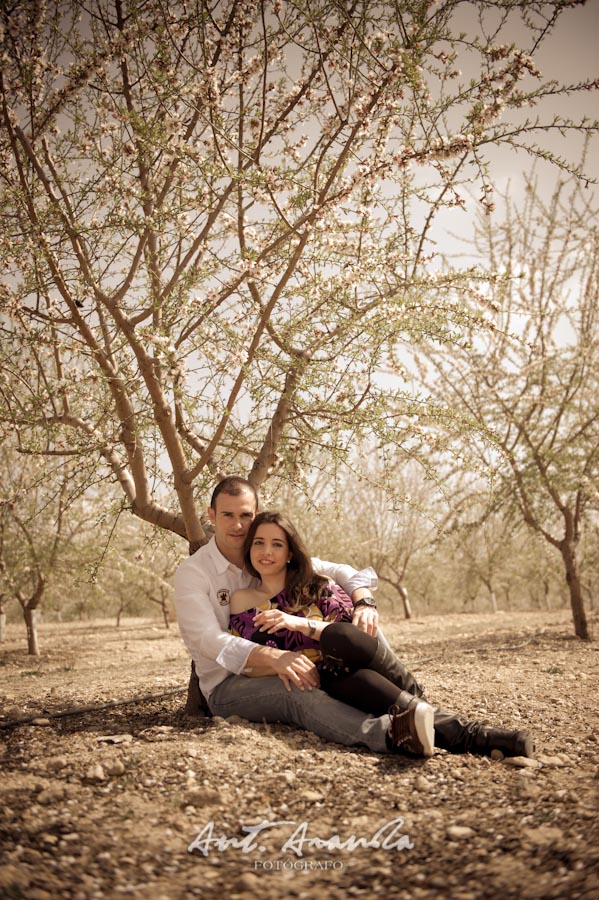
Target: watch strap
column 365, row 601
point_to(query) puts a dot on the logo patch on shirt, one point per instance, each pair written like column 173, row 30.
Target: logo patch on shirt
column 223, row 596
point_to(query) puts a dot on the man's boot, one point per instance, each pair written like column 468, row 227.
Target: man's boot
column 411, row 726
column 451, row 732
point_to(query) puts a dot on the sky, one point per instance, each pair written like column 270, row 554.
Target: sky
column 570, row 53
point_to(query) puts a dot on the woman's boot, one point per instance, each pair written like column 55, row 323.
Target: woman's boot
column 459, row 735
column 451, row 732
column 386, row 663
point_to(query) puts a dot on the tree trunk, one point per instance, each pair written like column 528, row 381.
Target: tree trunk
column 196, row 702
column 165, row 615
column 30, row 616
column 581, row 627
column 493, row 601
column 2, row 627
column 546, row 593
column 403, row 593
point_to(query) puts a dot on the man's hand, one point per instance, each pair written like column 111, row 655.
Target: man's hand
column 297, row 669
column 366, row 619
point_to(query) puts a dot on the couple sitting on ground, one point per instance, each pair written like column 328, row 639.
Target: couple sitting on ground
column 274, row 637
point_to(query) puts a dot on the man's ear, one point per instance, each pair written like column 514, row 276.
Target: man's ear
column 211, row 515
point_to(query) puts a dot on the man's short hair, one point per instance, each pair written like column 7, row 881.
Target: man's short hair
column 233, row 485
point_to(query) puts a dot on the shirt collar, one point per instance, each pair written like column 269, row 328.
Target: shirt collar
column 221, row 563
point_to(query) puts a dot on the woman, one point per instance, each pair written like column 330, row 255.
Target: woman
column 292, row 608
column 295, row 609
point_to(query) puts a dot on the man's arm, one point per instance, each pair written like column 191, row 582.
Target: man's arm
column 200, row 629
column 349, row 578
column 359, row 585
column 291, row 667
column 204, row 636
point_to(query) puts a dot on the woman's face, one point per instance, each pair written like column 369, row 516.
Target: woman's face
column 269, row 552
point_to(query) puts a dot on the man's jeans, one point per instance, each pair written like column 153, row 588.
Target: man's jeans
column 266, row 699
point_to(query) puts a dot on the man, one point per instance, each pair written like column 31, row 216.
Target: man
column 230, row 667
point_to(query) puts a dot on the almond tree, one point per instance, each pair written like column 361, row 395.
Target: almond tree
column 483, row 546
column 216, row 220
column 54, row 533
column 529, row 387
column 402, row 511
column 33, row 533
column 138, row 567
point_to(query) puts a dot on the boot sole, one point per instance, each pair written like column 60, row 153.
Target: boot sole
column 525, row 745
column 424, row 725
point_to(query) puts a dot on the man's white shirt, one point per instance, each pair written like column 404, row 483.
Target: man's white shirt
column 204, row 584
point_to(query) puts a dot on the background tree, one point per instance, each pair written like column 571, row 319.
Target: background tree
column 135, row 571
column 485, row 538
column 217, row 221
column 589, row 573
column 530, row 386
column 33, row 533
column 67, row 546
column 384, row 519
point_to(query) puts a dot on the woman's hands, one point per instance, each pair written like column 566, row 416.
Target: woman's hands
column 271, row 620
column 291, row 667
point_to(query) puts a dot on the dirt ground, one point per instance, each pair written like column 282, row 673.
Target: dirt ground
column 85, row 817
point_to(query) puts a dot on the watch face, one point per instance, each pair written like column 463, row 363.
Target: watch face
column 367, row 601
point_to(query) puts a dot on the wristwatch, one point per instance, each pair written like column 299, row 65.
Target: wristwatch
column 365, row 601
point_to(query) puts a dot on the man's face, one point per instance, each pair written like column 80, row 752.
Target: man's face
column 232, row 518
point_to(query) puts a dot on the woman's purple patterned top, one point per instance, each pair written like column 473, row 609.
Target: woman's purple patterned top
column 333, row 605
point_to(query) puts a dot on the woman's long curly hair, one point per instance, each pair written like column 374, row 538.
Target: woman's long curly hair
column 302, row 585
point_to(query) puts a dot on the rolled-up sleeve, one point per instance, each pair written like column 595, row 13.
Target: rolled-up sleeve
column 234, row 654
column 349, row 578
column 202, row 632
